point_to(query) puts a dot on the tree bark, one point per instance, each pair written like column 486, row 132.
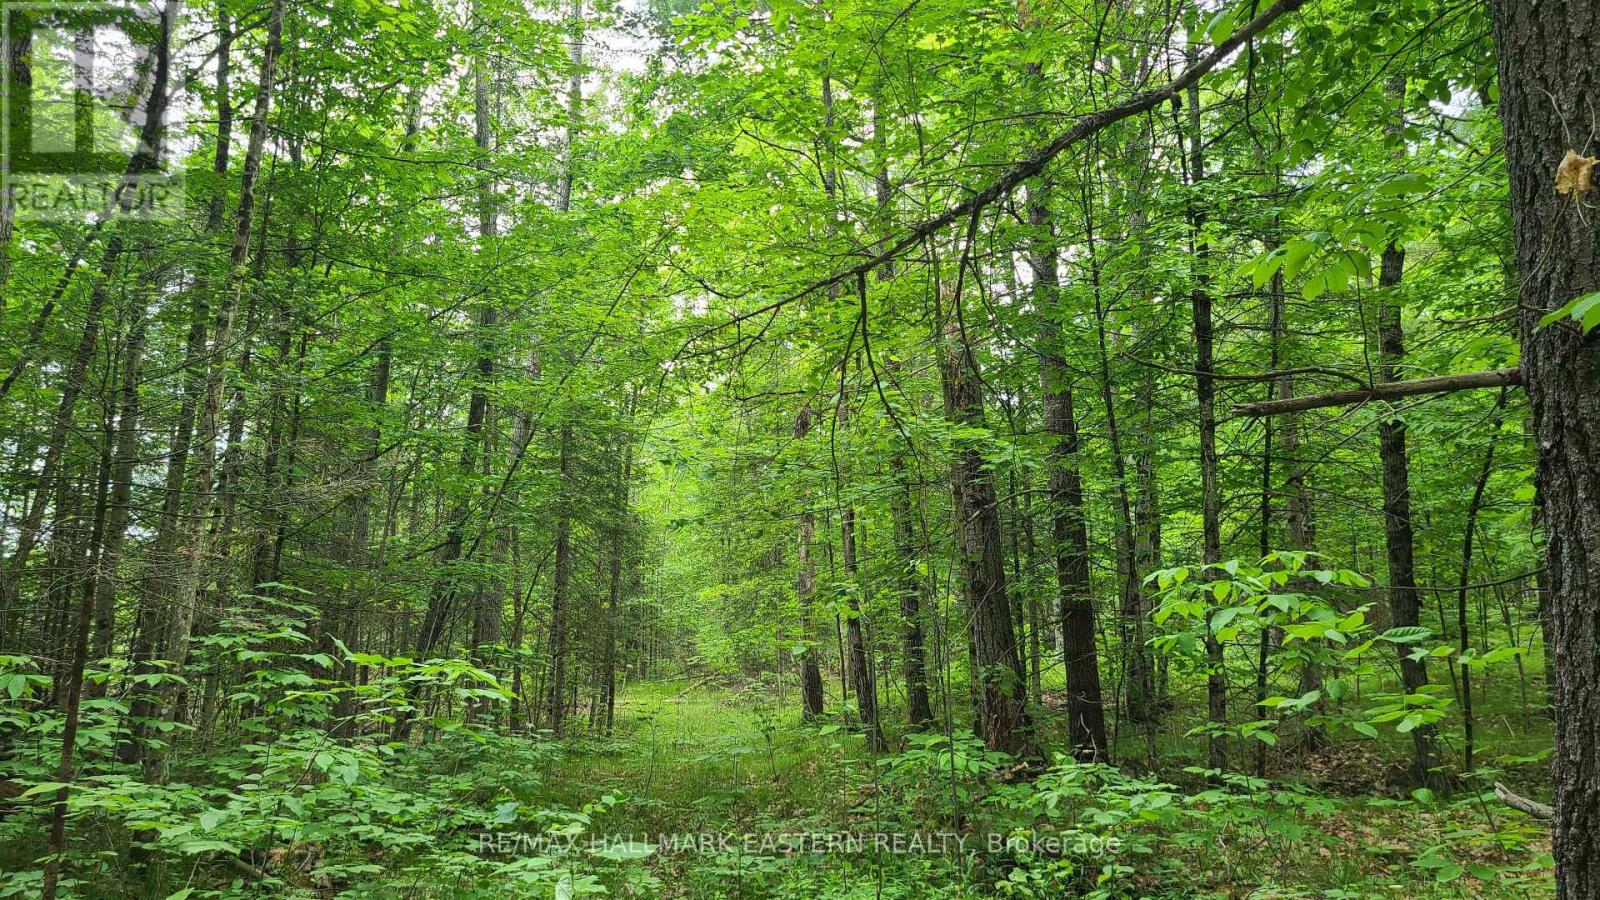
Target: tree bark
column 1069, row 530
column 1001, row 680
column 561, row 587
column 805, row 593
column 120, row 503
column 909, row 583
column 1549, row 76
column 1205, row 397
column 1399, row 541
column 860, row 659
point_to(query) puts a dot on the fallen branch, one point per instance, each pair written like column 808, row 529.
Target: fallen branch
column 1531, row 807
column 1392, row 390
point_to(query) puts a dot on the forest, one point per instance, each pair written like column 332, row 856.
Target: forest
column 800, row 449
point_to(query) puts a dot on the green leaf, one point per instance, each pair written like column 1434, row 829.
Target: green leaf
column 1222, row 25
column 1295, row 256
column 1585, row 310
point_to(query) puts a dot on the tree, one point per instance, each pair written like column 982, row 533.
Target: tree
column 1546, row 67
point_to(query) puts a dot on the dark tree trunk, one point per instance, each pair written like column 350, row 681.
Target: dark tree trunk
column 1405, row 602
column 1264, row 511
column 1138, row 670
column 614, row 595
column 1549, row 79
column 805, row 591
column 448, row 588
column 919, row 712
column 1206, row 398
column 560, row 588
column 860, row 659
column 489, row 598
column 144, row 159
column 1069, row 530
column 1002, row 711
column 120, row 504
column 909, row 583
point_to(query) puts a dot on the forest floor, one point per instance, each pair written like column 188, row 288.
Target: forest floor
column 717, row 790
column 702, row 771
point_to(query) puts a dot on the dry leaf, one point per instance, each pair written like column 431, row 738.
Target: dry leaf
column 1575, row 175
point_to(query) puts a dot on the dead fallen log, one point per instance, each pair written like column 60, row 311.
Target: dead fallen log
column 1531, row 807
column 1390, row 390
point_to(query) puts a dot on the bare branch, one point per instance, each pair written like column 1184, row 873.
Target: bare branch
column 1531, row 807
column 1393, row 390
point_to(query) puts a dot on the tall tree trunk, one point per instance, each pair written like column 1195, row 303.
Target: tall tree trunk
column 1069, row 530
column 194, row 539
column 156, row 587
column 1205, row 396
column 1549, row 76
column 1405, row 603
column 120, row 503
column 559, row 600
column 489, row 605
column 909, row 583
column 998, row 672
column 145, row 159
column 805, row 593
column 362, row 554
column 860, row 660
column 619, row 528
column 1275, row 330
column 448, row 588
column 558, row 596
column 1137, row 667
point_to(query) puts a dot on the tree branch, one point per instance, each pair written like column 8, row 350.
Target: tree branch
column 1086, row 126
column 1531, row 807
column 1393, row 390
